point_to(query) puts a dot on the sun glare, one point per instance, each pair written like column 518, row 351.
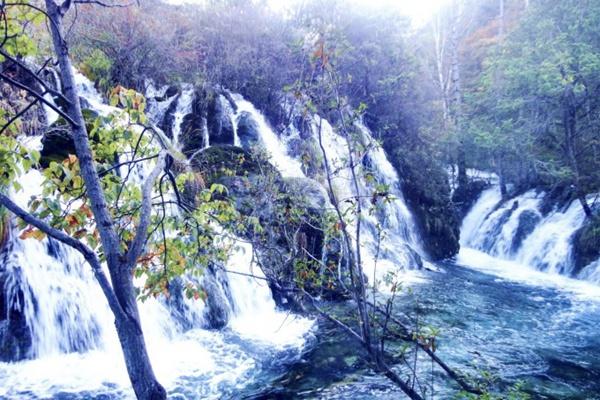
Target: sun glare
column 417, row 10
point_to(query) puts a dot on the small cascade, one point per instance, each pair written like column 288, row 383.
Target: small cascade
column 67, row 342
column 390, row 241
column 516, row 230
column 248, row 114
column 184, row 107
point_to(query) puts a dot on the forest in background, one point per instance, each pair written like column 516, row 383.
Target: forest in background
column 506, row 86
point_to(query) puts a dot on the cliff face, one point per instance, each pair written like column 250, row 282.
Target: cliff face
column 427, row 192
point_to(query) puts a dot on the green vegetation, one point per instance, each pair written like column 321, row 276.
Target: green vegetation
column 504, row 86
column 531, row 111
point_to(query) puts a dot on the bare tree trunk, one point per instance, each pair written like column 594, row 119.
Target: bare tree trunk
column 439, row 41
column 457, row 93
column 570, row 129
column 143, row 380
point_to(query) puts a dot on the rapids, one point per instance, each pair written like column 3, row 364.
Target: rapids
column 504, row 305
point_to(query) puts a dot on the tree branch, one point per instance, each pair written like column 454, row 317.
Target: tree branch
column 137, row 245
column 39, row 97
column 34, row 76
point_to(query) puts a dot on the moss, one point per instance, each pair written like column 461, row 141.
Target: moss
column 4, row 227
column 427, row 192
column 586, row 244
column 57, row 142
column 217, row 162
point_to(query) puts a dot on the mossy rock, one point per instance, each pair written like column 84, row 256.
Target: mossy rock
column 586, row 244
column 427, row 192
column 248, row 130
column 219, row 124
column 528, row 220
column 309, row 152
column 57, row 141
column 216, row 162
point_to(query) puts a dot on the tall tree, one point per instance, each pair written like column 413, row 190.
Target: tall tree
column 545, row 105
column 114, row 211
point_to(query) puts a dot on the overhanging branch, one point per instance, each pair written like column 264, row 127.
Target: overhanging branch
column 62, row 237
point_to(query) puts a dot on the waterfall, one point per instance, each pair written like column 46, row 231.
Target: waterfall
column 68, row 341
column 517, row 231
column 393, row 247
column 184, row 107
column 287, row 165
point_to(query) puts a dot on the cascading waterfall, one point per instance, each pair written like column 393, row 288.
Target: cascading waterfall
column 73, row 346
column 516, row 230
column 389, row 241
column 184, row 106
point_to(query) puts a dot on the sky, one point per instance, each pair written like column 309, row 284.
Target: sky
column 418, row 10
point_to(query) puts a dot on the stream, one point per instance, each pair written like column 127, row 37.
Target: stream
column 533, row 328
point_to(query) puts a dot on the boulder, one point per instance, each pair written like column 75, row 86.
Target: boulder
column 314, row 195
column 528, row 220
column 192, row 136
column 57, row 144
column 586, row 244
column 291, row 212
column 247, row 130
column 171, row 91
column 219, row 123
column 427, row 193
column 166, row 124
column 57, row 141
column 216, row 162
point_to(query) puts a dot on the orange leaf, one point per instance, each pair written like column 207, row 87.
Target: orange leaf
column 72, row 220
column 32, row 233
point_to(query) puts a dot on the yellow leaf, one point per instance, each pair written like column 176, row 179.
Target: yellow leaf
column 32, row 233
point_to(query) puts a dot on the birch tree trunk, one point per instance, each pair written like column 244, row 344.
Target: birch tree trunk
column 456, row 96
column 143, row 380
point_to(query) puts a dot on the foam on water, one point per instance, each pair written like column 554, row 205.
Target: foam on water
column 75, row 347
column 287, row 165
column 256, row 316
column 514, row 271
column 491, row 227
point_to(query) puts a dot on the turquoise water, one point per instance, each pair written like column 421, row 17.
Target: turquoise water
column 515, row 331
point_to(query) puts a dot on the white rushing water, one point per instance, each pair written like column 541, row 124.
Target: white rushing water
column 184, row 106
column 287, row 165
column 516, row 234
column 389, row 240
column 397, row 249
column 74, row 344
